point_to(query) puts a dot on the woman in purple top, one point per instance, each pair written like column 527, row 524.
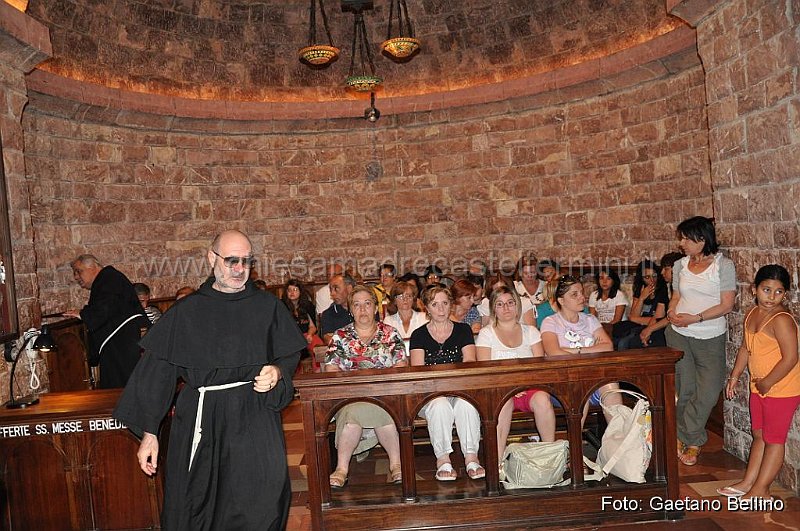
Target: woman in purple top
column 570, row 331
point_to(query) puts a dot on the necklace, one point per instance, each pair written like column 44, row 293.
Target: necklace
column 367, row 335
column 442, row 333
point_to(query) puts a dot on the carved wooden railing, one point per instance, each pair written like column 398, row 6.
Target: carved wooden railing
column 487, row 385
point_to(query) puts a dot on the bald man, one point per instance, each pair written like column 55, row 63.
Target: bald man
column 113, row 317
column 236, row 347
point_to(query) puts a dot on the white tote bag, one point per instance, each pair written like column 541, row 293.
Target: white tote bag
column 535, row 465
column 628, row 440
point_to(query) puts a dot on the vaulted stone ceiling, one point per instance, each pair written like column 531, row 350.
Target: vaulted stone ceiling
column 246, row 50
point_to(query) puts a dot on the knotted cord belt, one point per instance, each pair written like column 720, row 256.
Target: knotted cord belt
column 198, row 421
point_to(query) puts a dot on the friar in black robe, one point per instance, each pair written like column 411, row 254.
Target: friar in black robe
column 114, row 319
column 238, row 477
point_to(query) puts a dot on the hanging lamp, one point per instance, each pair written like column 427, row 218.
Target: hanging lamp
column 362, row 79
column 318, row 54
column 403, row 46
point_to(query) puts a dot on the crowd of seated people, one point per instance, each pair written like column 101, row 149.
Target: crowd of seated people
column 436, row 318
column 537, row 315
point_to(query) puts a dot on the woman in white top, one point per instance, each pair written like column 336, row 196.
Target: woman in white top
column 527, row 315
column 527, row 281
column 494, row 342
column 407, row 319
column 570, row 331
column 704, row 291
column 608, row 303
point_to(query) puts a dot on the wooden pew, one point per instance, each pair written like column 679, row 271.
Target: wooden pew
column 487, row 385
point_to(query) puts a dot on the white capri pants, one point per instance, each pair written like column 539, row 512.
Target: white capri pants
column 444, row 411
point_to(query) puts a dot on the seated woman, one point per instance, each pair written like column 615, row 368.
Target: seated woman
column 498, row 280
column 649, row 305
column 364, row 344
column 407, row 319
column 570, row 331
column 463, row 309
column 443, row 341
column 300, row 306
column 608, row 302
column 495, row 343
column 548, row 308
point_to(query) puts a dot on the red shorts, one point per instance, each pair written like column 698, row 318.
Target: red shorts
column 773, row 416
column 523, row 402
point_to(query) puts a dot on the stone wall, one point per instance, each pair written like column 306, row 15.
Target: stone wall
column 584, row 173
column 750, row 52
column 23, row 44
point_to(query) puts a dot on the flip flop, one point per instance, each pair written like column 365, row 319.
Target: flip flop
column 446, row 472
column 338, row 479
column 475, row 470
column 689, row 455
column 395, row 475
column 730, row 492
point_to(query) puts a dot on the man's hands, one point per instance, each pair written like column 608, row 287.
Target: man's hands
column 148, row 454
column 267, row 378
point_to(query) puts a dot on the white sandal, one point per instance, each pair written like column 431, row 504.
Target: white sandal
column 475, row 470
column 446, row 472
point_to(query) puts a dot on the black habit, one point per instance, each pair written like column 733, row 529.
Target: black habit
column 239, row 477
column 112, row 300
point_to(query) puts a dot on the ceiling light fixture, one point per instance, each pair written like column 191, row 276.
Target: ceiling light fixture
column 404, row 46
column 318, row 54
column 363, row 79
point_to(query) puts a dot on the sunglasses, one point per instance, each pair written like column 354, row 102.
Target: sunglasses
column 233, row 261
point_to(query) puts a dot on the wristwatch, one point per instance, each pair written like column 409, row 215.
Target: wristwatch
column 700, row 315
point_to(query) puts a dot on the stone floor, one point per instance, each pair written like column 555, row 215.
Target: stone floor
column 715, row 468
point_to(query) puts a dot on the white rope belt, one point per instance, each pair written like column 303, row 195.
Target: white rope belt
column 198, row 421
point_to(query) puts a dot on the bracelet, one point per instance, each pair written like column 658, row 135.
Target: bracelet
column 579, row 350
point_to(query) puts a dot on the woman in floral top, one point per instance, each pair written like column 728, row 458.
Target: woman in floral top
column 364, row 344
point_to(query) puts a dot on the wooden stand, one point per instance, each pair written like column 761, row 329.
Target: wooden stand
column 488, row 385
column 68, row 465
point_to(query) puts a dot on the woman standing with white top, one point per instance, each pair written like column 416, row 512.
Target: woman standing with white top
column 494, row 342
column 704, row 291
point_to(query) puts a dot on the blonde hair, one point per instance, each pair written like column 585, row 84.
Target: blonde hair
column 428, row 294
column 549, row 290
column 501, row 290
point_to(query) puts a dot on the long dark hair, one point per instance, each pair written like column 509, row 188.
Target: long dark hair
column 614, row 278
column 304, row 304
column 638, row 279
column 700, row 229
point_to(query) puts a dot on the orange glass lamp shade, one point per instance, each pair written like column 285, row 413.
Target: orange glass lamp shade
column 319, row 54
column 363, row 83
column 401, row 47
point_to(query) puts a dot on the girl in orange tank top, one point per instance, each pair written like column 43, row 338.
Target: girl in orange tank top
column 769, row 351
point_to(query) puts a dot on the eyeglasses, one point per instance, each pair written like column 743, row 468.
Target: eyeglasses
column 233, row 261
column 404, row 297
column 508, row 304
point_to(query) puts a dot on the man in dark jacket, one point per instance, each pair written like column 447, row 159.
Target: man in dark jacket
column 113, row 317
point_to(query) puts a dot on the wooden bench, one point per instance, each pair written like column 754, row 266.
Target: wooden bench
column 487, row 385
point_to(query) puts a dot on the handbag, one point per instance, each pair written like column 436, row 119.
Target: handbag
column 628, row 440
column 535, row 465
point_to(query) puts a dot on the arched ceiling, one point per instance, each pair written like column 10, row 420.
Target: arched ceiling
column 246, row 50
